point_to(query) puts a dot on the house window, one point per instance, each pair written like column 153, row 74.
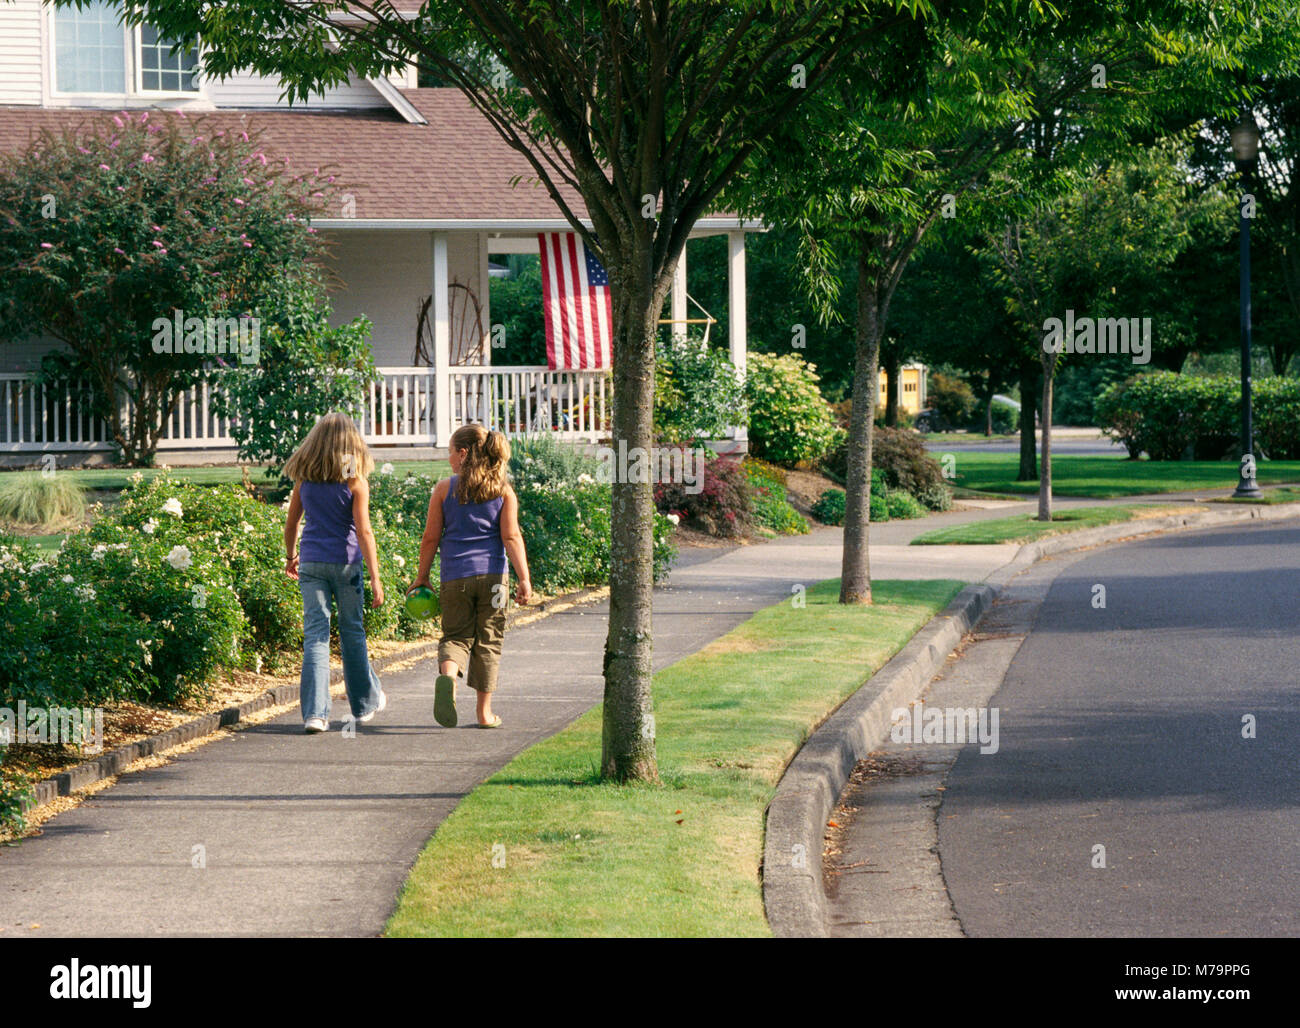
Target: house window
column 91, row 48
column 163, row 71
column 89, row 53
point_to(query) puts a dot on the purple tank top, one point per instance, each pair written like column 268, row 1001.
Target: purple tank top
column 471, row 538
column 329, row 535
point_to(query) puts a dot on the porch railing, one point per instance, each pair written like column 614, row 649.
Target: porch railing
column 399, row 410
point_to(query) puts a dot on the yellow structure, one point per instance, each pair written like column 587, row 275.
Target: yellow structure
column 912, row 398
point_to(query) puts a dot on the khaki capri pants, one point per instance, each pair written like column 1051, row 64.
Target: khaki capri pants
column 473, row 627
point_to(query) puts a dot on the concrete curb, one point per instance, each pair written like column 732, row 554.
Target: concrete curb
column 115, row 761
column 794, row 895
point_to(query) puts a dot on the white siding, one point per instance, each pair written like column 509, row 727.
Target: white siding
column 20, row 52
column 245, row 89
column 386, row 274
column 26, row 354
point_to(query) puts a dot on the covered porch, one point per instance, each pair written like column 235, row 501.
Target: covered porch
column 426, row 290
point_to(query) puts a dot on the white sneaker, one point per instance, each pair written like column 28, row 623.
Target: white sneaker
column 383, row 702
column 313, row 725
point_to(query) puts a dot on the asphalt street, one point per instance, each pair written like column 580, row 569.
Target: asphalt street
column 1127, row 796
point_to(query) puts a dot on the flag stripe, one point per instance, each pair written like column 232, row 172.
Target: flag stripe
column 576, row 303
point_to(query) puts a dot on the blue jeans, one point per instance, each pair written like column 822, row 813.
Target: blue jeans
column 318, row 582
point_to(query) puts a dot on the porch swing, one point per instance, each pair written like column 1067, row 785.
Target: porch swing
column 708, row 321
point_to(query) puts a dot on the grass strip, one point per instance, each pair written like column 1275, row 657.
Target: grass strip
column 580, row 857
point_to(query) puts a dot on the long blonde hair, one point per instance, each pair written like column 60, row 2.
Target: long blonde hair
column 483, row 472
column 332, row 452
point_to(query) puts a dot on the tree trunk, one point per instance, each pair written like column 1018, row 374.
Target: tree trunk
column 855, row 571
column 628, row 740
column 893, row 369
column 1028, row 448
column 1045, row 482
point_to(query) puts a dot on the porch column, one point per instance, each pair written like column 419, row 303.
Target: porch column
column 485, row 296
column 736, row 325
column 679, row 297
column 442, row 403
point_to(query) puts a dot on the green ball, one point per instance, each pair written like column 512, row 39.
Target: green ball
column 422, row 604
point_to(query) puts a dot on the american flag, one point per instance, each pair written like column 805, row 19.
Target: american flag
column 575, row 298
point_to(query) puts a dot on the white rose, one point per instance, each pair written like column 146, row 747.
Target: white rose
column 585, row 479
column 674, row 519
column 173, row 507
column 400, row 561
column 148, row 527
column 180, row 558
column 387, row 469
column 246, row 527
column 68, row 579
column 85, row 593
column 98, row 552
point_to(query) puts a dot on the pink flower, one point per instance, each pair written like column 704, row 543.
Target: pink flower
column 160, row 246
column 262, row 157
column 156, row 228
column 118, row 121
column 118, row 249
column 239, row 202
column 47, row 246
column 105, row 167
column 144, row 117
column 146, row 159
column 247, row 181
column 249, row 245
column 244, row 136
column 82, row 149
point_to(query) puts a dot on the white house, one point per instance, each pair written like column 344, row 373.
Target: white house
column 429, row 199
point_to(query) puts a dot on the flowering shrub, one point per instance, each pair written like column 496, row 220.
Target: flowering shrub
column 98, row 622
column 789, row 421
column 226, row 523
column 110, row 224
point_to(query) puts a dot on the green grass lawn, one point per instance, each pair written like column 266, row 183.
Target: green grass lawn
column 1106, row 477
column 584, row 858
column 963, row 437
column 1022, row 528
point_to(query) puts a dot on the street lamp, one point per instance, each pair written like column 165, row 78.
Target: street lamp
column 1245, row 153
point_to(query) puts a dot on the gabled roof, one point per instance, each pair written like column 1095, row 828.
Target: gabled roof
column 453, row 169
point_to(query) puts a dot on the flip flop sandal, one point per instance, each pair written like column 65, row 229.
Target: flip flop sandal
column 494, row 723
column 444, row 701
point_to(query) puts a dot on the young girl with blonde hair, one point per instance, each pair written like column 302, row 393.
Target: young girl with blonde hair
column 474, row 520
column 329, row 472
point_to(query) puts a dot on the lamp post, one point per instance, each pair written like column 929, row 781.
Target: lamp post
column 1245, row 153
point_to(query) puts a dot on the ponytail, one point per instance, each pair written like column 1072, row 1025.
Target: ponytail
column 483, row 472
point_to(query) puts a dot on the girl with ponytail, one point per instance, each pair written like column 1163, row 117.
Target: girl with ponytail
column 474, row 520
